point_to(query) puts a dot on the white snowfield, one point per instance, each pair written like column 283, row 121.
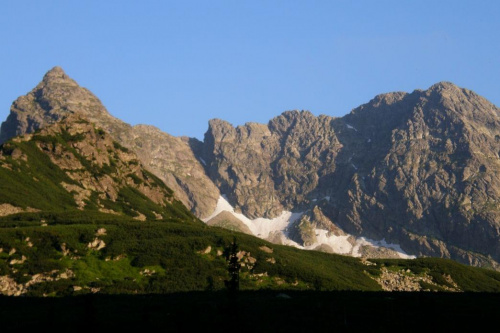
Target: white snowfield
column 351, row 127
column 339, row 244
column 266, row 228
column 260, row 227
column 381, row 243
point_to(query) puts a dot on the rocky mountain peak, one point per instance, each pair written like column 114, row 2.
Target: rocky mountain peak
column 388, row 98
column 429, row 157
column 56, row 73
column 219, row 125
column 56, row 96
column 56, row 81
column 294, row 115
column 291, row 119
column 462, row 103
column 444, row 85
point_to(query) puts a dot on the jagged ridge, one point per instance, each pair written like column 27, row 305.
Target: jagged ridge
column 419, row 169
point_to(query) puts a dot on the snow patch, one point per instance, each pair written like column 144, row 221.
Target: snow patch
column 381, row 243
column 264, row 228
column 351, row 127
column 260, row 227
column 339, row 244
column 222, row 205
column 342, row 245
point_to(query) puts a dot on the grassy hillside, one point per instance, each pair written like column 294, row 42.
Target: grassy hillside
column 67, row 168
column 180, row 257
column 171, row 256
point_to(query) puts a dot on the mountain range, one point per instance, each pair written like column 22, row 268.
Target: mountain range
column 80, row 214
column 406, row 174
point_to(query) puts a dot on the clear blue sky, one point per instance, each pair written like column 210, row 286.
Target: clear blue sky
column 177, row 64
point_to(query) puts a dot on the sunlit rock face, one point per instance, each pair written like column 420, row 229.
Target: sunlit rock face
column 418, row 169
column 170, row 158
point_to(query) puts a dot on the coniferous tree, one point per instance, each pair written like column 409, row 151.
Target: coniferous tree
column 233, row 284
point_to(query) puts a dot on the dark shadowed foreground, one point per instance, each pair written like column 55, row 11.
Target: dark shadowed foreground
column 268, row 311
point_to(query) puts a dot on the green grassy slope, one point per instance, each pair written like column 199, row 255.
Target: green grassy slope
column 34, row 184
column 468, row 278
column 160, row 257
column 178, row 253
column 35, row 181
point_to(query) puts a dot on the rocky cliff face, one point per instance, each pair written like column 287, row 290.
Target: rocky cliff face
column 168, row 157
column 265, row 169
column 432, row 174
column 418, row 169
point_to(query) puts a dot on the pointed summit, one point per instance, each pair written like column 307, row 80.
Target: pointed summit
column 55, row 97
column 444, row 85
column 56, row 76
column 56, row 72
